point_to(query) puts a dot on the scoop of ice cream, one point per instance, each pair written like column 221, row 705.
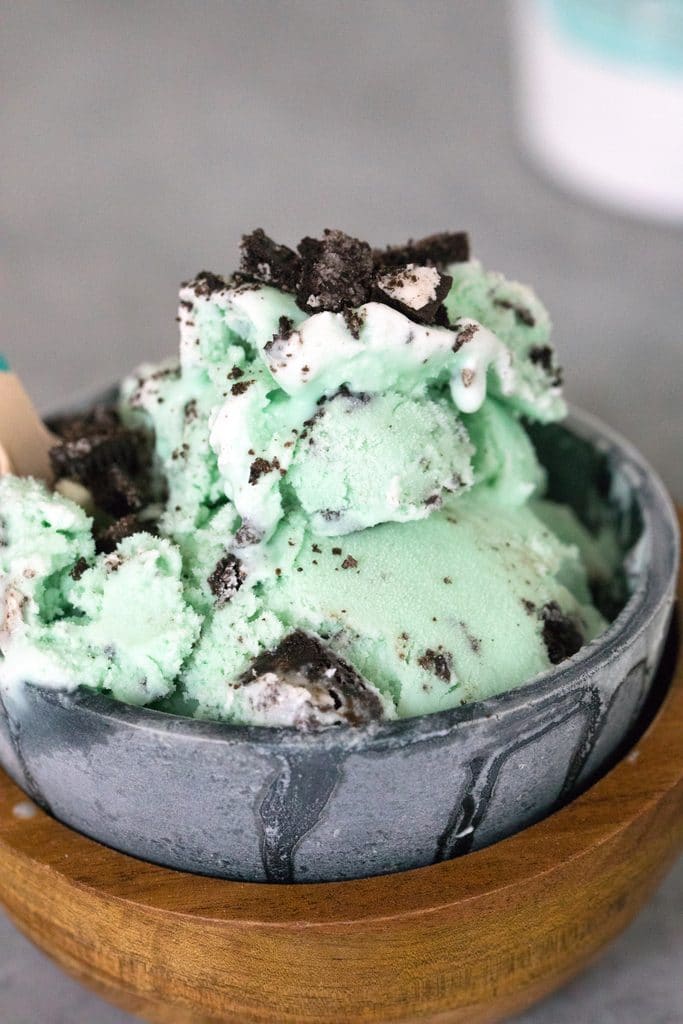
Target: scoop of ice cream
column 448, row 611
column 350, row 514
column 272, row 372
column 42, row 535
column 116, row 622
column 370, row 458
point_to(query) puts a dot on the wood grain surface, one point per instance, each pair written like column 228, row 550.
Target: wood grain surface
column 471, row 940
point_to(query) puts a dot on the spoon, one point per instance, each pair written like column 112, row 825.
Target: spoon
column 25, row 441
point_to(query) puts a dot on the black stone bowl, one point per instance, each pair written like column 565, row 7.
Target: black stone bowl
column 276, row 805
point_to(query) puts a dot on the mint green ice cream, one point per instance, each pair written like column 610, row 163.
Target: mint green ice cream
column 340, row 516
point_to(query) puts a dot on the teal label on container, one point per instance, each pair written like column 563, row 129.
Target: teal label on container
column 636, row 33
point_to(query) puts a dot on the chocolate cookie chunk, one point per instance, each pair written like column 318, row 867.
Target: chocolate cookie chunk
column 206, row 283
column 336, row 690
column 433, row 251
column 265, row 261
column 107, row 458
column 561, row 634
column 109, row 536
column 417, row 292
column 336, row 272
column 226, row 579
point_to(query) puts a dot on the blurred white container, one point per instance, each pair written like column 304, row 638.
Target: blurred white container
column 600, row 96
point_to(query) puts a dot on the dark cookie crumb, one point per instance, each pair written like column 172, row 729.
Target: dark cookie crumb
column 433, row 251
column 205, row 283
column 260, row 467
column 226, row 579
column 285, row 328
column 439, row 662
column 336, row 272
column 107, row 538
column 431, row 286
column 113, row 462
column 442, row 319
column 236, row 373
column 473, row 641
column 561, row 634
column 529, row 606
column 465, row 335
column 522, row 314
column 100, row 419
column 246, row 536
column 240, row 387
column 542, row 355
column 117, row 493
column 78, row 569
column 265, row 261
column 349, row 562
column 354, row 320
column 335, row 686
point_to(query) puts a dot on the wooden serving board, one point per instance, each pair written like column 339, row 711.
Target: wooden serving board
column 471, row 940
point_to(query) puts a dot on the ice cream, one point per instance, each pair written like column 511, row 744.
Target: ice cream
column 327, row 510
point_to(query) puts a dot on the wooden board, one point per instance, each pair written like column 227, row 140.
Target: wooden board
column 471, row 940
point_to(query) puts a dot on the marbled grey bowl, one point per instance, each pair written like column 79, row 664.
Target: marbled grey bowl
column 275, row 805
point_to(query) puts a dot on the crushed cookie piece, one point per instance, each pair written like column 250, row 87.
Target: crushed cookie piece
column 246, row 536
column 433, row 251
column 464, row 335
column 543, row 356
column 265, row 261
column 240, row 387
column 261, row 466
column 337, row 691
column 522, row 314
column 226, row 579
column 78, row 569
column 336, row 272
column 561, row 634
column 108, row 537
column 439, row 662
column 205, row 283
column 415, row 291
column 354, row 320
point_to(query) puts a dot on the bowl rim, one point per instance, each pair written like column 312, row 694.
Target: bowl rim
column 660, row 536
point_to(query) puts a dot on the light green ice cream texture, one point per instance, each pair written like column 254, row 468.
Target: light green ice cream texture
column 375, row 485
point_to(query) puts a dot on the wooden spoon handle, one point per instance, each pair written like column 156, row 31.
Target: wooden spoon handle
column 25, row 441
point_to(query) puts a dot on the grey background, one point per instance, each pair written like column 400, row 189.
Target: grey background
column 139, row 140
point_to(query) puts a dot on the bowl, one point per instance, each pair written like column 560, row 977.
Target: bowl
column 259, row 804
